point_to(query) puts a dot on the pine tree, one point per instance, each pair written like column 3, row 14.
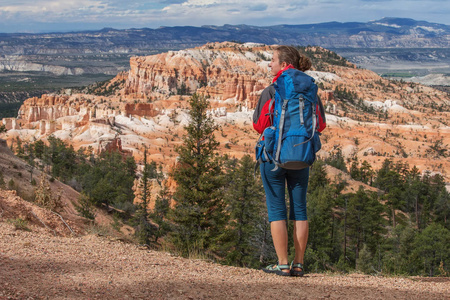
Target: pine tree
column 431, row 247
column 85, row 207
column 198, row 214
column 245, row 206
column 366, row 172
column 395, row 251
column 160, row 213
column 336, row 159
column 321, row 217
column 38, row 148
column 392, row 182
column 442, row 209
column 144, row 229
column 20, row 152
column 364, row 222
column 110, row 181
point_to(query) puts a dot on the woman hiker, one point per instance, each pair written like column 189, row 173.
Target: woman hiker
column 274, row 181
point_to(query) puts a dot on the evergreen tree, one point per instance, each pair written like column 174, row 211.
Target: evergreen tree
column 366, row 173
column 412, row 194
column 354, row 169
column 245, row 206
column 85, row 207
column 396, row 251
column 160, row 213
column 38, row 148
column 364, row 222
column 29, row 157
column 363, row 173
column 144, row 229
column 320, row 216
column 436, row 184
column 336, row 159
column 110, row 181
column 364, row 262
column 442, row 209
column 431, row 247
column 145, row 188
column 198, row 214
column 392, row 182
column 20, row 152
column 62, row 159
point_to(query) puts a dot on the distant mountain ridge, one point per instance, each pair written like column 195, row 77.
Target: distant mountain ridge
column 383, row 33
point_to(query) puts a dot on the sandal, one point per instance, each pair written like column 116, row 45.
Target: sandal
column 295, row 272
column 277, row 269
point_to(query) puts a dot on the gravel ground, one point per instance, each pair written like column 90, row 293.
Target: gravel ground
column 51, row 262
column 39, row 265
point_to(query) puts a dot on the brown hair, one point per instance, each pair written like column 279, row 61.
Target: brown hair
column 290, row 55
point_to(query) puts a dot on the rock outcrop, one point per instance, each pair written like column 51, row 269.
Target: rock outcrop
column 140, row 109
column 222, row 71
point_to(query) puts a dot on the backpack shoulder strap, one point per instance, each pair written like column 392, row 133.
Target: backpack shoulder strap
column 322, row 122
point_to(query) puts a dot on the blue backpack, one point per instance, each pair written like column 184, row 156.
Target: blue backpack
column 293, row 140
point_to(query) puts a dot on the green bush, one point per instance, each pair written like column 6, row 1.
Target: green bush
column 19, row 224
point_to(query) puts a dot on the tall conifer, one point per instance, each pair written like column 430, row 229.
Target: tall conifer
column 244, row 240
column 198, row 214
column 144, row 229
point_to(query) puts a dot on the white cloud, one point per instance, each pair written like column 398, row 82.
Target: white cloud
column 55, row 6
column 50, row 10
column 32, row 14
column 200, row 3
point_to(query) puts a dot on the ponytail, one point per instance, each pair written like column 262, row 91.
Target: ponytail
column 304, row 63
column 291, row 56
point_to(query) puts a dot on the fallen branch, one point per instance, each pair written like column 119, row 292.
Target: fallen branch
column 109, row 208
column 54, row 232
column 63, row 221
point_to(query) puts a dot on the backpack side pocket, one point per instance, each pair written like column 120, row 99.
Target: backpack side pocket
column 269, row 140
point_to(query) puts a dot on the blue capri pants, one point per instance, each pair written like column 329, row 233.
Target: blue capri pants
column 275, row 185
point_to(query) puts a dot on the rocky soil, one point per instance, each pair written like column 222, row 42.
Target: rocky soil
column 50, row 262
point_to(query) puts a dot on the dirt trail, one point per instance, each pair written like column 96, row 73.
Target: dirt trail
column 39, row 265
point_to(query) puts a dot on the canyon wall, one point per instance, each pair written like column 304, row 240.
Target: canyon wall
column 222, row 71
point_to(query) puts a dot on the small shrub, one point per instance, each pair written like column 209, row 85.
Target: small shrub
column 44, row 197
column 11, row 184
column 85, row 208
column 2, row 181
column 99, row 230
column 364, row 261
column 19, row 224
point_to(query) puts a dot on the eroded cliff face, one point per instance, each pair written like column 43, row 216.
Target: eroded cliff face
column 47, row 107
column 368, row 117
column 222, row 70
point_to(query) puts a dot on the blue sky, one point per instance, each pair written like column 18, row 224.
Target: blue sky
column 68, row 15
